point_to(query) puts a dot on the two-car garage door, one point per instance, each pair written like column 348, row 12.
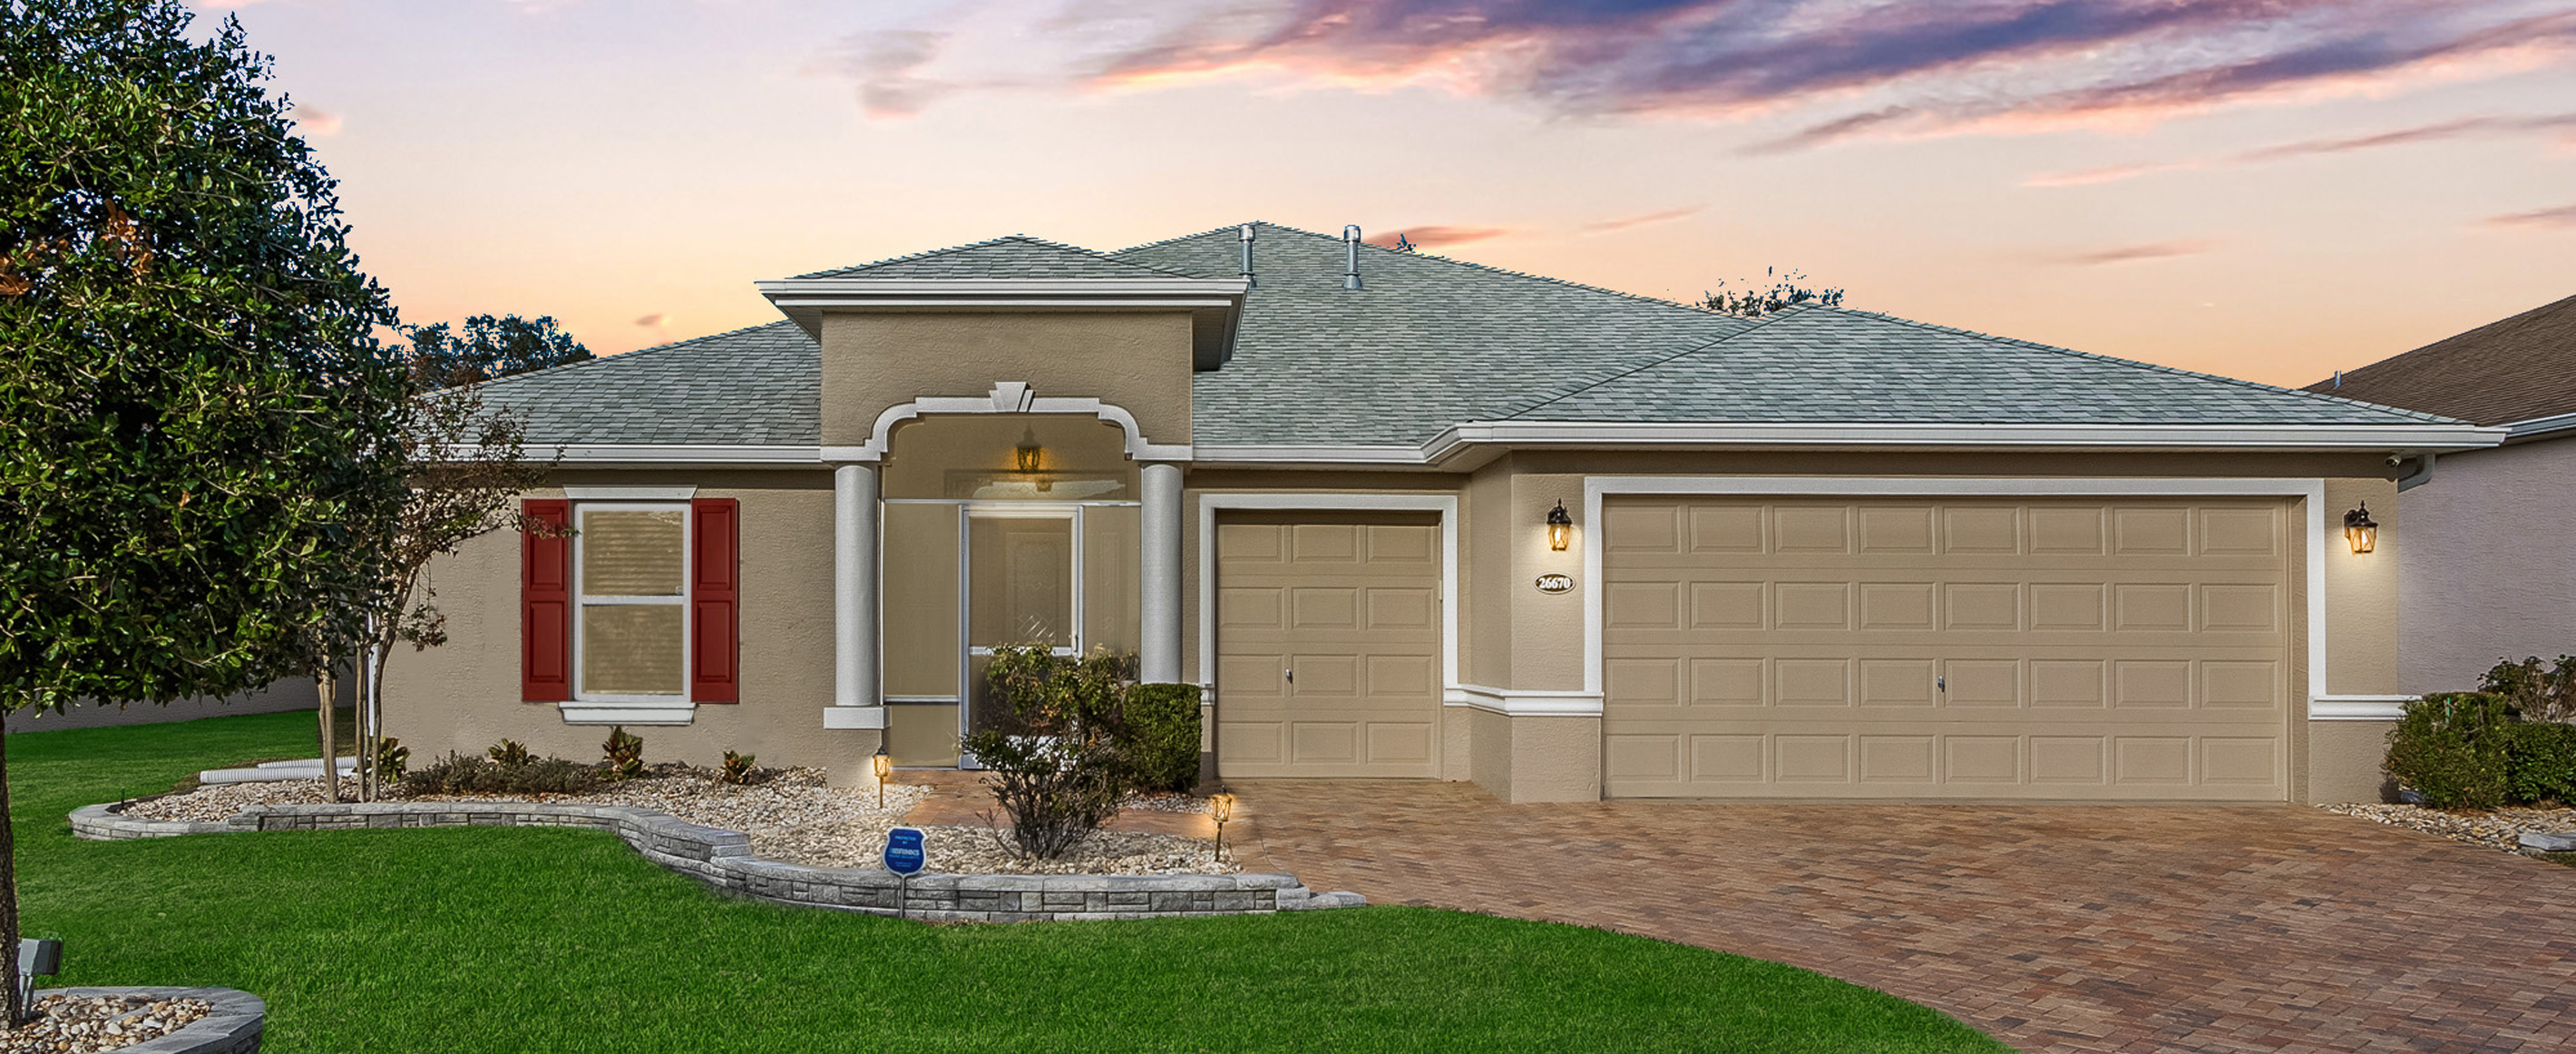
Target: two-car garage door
column 2076, row 649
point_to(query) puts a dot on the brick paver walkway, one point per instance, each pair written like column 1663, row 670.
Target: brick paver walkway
column 2053, row 928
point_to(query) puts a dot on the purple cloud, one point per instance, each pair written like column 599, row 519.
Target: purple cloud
column 2486, row 126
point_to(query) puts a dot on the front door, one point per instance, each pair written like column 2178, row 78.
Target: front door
column 1022, row 588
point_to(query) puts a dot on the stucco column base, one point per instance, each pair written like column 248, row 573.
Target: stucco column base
column 2345, row 762
column 1534, row 759
column 849, row 765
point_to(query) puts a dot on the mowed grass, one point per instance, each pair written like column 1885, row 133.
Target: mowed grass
column 542, row 940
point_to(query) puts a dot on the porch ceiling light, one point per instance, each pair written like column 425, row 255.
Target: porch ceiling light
column 1028, row 455
column 2360, row 529
column 1560, row 528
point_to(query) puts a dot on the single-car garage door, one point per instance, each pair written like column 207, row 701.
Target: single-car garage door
column 2075, row 649
column 1328, row 645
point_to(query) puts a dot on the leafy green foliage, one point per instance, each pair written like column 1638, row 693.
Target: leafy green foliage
column 1777, row 292
column 2535, row 692
column 2451, row 748
column 391, row 756
column 1162, row 734
column 492, row 348
column 2541, row 762
column 1053, row 749
column 458, row 774
column 738, row 769
column 508, row 752
column 622, row 755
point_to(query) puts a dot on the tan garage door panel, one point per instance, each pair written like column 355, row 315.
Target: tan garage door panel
column 1328, row 648
column 1972, row 648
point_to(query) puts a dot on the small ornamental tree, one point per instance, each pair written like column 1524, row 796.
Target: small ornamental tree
column 1777, row 292
column 490, row 348
column 196, row 419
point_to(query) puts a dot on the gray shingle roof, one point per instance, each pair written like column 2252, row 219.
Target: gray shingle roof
column 761, row 386
column 1431, row 342
column 1011, row 256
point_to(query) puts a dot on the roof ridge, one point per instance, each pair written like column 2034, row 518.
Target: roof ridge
column 1488, row 268
column 1750, row 326
column 1030, row 239
column 598, row 360
column 2221, row 378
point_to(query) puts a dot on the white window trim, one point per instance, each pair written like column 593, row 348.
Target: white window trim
column 2313, row 491
column 1444, row 504
column 621, row 708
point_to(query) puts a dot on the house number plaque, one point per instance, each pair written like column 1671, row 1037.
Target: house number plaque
column 1554, row 584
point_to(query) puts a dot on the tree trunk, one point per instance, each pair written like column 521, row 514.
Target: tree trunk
column 327, row 683
column 19, row 1013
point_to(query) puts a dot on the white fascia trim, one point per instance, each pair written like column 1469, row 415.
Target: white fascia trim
column 679, row 454
column 1010, row 397
column 2312, row 491
column 1515, row 702
column 1070, row 303
column 2520, row 431
column 2358, row 707
column 854, row 717
column 1769, row 436
column 1444, row 504
column 679, row 493
column 613, row 713
column 862, row 290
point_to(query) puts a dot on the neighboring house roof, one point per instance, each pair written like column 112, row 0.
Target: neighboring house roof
column 1011, row 256
column 1430, row 343
column 2517, row 369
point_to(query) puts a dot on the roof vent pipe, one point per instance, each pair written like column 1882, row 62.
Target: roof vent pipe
column 1247, row 257
column 1351, row 244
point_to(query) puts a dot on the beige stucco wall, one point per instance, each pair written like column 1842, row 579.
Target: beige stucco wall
column 2344, row 761
column 464, row 695
column 1140, row 361
column 2486, row 571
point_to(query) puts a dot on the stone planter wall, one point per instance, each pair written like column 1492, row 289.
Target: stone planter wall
column 723, row 859
column 235, row 1026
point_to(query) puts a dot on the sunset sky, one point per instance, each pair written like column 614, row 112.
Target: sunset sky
column 2270, row 189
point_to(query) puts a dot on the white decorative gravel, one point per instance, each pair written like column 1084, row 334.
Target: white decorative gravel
column 2499, row 829
column 91, row 1024
column 792, row 816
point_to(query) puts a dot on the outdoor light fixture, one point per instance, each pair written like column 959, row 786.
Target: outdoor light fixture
column 1221, row 809
column 1029, row 455
column 2360, row 529
column 1560, row 528
column 884, row 764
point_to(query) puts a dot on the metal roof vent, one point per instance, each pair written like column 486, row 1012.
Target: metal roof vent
column 1351, row 245
column 1248, row 281
column 2338, row 381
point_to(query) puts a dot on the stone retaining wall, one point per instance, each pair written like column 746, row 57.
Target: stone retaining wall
column 723, row 859
column 235, row 1027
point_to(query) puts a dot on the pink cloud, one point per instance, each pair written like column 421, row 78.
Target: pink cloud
column 652, row 321
column 1620, row 223
column 2562, row 216
column 2126, row 253
column 2488, row 126
column 1431, row 236
column 315, row 122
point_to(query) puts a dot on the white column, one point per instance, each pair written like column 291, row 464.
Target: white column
column 854, row 598
column 1158, row 655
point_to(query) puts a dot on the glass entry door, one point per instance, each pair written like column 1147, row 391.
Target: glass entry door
column 1023, row 587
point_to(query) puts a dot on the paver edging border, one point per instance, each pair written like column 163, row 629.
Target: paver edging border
column 723, row 859
column 238, row 1023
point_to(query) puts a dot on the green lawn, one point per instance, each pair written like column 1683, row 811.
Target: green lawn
column 538, row 940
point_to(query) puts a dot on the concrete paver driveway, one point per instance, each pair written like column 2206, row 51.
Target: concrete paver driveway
column 2053, row 928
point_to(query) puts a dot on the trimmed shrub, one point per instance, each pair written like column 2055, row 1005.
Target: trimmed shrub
column 2541, row 760
column 458, row 774
column 1162, row 730
column 391, row 757
column 1053, row 744
column 2533, row 691
column 737, row 769
column 623, row 755
column 2452, row 748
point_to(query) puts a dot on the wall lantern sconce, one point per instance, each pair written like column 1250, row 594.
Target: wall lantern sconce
column 1221, row 809
column 884, row 765
column 1028, row 455
column 1560, row 528
column 2360, row 529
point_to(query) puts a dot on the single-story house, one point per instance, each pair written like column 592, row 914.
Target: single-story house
column 2487, row 575
column 1410, row 517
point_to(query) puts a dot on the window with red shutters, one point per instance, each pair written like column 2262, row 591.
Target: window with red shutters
column 715, row 572
column 545, row 602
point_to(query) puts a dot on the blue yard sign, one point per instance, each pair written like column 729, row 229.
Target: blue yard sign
column 903, row 854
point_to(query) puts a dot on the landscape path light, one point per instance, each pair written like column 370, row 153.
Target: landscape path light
column 884, row 765
column 1221, row 809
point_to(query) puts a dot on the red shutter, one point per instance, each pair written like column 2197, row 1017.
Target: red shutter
column 715, row 575
column 545, row 602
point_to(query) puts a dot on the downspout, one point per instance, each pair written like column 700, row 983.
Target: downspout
column 2423, row 474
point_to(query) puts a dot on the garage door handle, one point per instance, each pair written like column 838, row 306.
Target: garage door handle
column 1291, row 675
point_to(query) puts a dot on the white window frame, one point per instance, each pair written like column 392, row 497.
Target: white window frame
column 601, row 708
